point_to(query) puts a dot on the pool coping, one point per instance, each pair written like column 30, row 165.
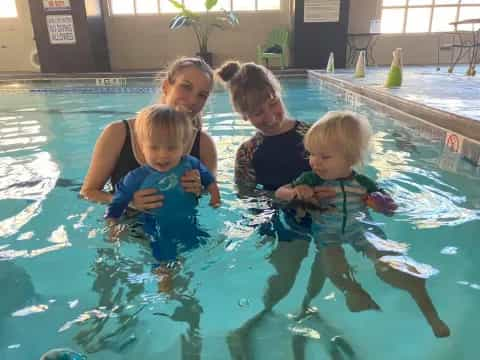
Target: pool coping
column 91, row 83
column 160, row 74
column 460, row 134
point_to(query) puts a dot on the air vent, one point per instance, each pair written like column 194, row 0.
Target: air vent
column 321, row 11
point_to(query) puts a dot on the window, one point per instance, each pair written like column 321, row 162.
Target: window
column 419, row 16
column 8, row 9
column 140, row 7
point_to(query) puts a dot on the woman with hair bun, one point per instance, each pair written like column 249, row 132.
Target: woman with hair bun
column 273, row 156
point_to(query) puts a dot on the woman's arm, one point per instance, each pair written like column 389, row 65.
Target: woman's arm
column 191, row 181
column 208, row 152
column 244, row 173
column 104, row 158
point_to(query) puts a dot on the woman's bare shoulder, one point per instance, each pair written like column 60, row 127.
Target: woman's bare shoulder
column 115, row 127
column 205, row 137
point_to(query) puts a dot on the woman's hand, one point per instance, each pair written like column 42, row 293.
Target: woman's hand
column 323, row 193
column 191, row 182
column 147, row 199
column 304, row 192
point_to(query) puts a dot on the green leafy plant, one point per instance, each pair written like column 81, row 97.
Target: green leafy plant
column 202, row 23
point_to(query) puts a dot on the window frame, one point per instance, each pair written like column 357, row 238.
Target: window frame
column 160, row 12
column 432, row 7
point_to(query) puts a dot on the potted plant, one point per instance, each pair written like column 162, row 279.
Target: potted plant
column 202, row 24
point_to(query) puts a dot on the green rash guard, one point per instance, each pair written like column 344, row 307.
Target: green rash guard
column 348, row 203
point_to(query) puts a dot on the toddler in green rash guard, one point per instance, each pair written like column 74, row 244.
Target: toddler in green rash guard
column 336, row 143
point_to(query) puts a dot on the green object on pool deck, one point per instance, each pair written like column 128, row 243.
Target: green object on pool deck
column 360, row 67
column 394, row 78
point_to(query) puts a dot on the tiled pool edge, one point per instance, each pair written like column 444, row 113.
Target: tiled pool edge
column 92, row 83
column 460, row 134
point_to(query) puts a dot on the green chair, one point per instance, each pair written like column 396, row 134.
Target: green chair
column 276, row 47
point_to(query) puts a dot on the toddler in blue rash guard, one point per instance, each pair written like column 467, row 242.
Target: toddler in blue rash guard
column 163, row 134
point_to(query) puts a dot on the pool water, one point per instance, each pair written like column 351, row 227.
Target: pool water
column 64, row 285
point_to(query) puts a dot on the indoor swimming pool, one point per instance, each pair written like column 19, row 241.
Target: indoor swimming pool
column 64, row 285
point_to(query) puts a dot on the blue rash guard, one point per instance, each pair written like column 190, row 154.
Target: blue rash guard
column 176, row 200
column 173, row 225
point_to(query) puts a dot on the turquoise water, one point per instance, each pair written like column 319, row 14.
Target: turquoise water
column 64, row 285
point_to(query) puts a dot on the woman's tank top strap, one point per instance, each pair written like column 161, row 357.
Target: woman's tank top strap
column 196, row 146
column 126, row 160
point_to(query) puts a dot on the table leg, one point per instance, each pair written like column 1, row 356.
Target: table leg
column 370, row 48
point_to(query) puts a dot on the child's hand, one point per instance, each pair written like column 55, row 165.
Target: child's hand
column 381, row 202
column 304, row 192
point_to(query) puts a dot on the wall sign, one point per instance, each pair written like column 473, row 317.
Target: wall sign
column 111, row 82
column 61, row 29
column 56, row 5
column 454, row 142
column 321, row 11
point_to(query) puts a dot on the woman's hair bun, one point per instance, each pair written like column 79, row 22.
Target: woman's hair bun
column 228, row 70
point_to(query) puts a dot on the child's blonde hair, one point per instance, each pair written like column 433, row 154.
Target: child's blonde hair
column 176, row 125
column 250, row 85
column 349, row 130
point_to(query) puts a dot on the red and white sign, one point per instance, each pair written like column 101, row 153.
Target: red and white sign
column 454, row 142
column 56, row 5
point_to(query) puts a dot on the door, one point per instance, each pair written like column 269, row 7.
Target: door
column 313, row 41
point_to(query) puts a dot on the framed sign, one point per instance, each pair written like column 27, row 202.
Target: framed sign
column 61, row 29
column 56, row 5
column 321, row 11
column 111, row 82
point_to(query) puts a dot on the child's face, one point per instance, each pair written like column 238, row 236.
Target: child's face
column 269, row 117
column 329, row 162
column 161, row 153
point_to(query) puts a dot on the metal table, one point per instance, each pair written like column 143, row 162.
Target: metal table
column 473, row 45
column 359, row 42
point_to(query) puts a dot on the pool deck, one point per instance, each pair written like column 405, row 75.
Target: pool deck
column 455, row 93
column 447, row 105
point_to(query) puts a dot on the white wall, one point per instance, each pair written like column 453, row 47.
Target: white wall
column 146, row 42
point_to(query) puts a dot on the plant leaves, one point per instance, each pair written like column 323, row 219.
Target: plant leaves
column 179, row 21
column 209, row 4
column 177, row 4
column 217, row 25
column 232, row 18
